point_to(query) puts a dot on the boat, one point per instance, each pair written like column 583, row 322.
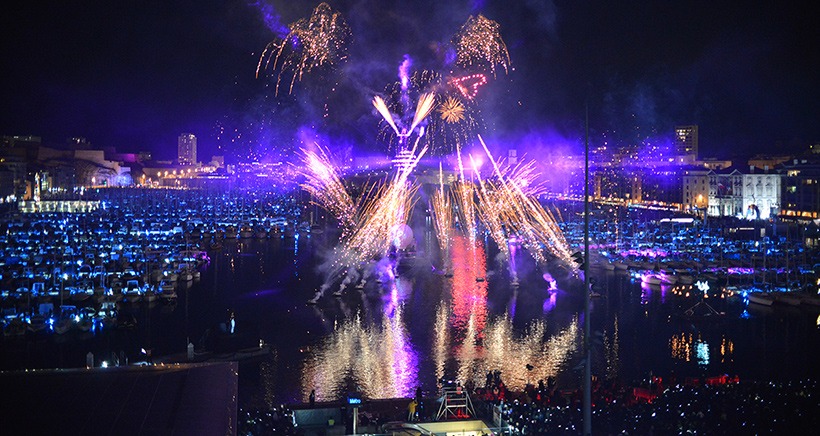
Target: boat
column 667, row 279
column 620, row 265
column 149, row 296
column 186, row 272
column 167, row 285
column 79, row 295
column 132, row 292
column 63, row 325
column 85, row 321
column 14, row 326
column 762, row 298
column 651, row 279
column 37, row 323
column 168, row 295
column 790, row 298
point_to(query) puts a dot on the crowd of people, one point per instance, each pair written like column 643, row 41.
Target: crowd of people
column 727, row 406
column 716, row 405
column 278, row 421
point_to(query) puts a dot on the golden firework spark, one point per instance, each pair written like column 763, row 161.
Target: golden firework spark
column 507, row 207
column 451, row 110
column 311, row 43
column 442, row 212
column 479, row 44
column 423, row 109
column 323, row 183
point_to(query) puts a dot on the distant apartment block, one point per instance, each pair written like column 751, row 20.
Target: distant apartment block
column 686, row 141
column 186, row 149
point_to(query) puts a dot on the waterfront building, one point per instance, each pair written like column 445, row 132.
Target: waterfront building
column 761, row 193
column 695, row 190
column 186, row 149
column 749, row 193
column 801, row 189
column 686, row 141
column 725, row 192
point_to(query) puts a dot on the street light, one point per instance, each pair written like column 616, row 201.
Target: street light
column 64, row 277
column 587, row 408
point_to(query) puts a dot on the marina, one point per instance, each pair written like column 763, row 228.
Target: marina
column 646, row 280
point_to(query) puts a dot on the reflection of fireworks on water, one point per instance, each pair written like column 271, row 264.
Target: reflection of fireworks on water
column 442, row 340
column 469, row 296
column 380, row 361
column 479, row 44
column 512, row 354
column 612, row 351
column 311, row 43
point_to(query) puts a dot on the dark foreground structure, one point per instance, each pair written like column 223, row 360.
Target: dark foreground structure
column 174, row 399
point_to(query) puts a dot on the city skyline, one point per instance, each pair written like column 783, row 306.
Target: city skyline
column 135, row 77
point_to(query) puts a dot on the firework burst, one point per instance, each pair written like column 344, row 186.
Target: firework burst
column 311, row 43
column 479, row 45
column 451, row 110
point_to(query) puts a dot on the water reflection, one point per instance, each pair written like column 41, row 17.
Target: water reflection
column 690, row 347
column 377, row 361
column 469, row 289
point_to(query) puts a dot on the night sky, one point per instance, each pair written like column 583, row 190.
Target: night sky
column 136, row 74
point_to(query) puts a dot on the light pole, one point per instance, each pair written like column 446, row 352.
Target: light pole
column 63, row 278
column 587, row 363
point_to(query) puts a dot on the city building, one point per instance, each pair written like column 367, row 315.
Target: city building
column 725, row 192
column 735, row 192
column 801, row 189
column 761, row 194
column 767, row 162
column 714, row 164
column 186, row 149
column 686, row 141
column 695, row 190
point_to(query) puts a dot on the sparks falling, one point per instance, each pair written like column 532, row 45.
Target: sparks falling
column 479, row 45
column 311, row 43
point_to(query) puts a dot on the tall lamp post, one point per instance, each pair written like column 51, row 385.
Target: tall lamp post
column 587, row 362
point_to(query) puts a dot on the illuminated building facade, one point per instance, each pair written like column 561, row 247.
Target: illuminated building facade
column 752, row 193
column 695, row 190
column 686, row 141
column 186, row 149
column 801, row 190
column 761, row 194
column 725, row 192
